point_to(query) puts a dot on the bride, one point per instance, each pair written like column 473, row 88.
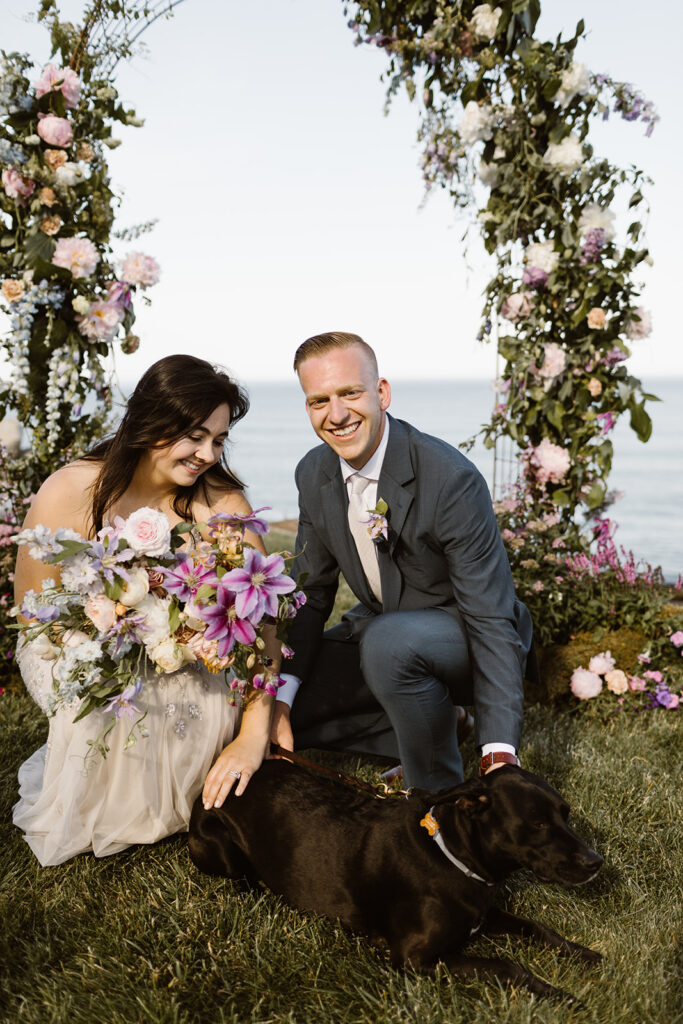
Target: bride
column 168, row 453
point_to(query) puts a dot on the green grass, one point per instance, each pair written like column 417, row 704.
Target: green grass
column 142, row 936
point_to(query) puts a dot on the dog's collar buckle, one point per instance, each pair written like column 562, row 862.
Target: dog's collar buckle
column 431, row 824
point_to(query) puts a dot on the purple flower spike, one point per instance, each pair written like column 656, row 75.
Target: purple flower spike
column 185, row 579
column 257, row 584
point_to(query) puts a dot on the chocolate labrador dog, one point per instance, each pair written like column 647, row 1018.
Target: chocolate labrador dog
column 419, row 873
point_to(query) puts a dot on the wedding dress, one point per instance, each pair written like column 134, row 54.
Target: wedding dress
column 72, row 800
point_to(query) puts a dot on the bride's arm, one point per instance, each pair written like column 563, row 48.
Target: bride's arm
column 246, row 752
column 60, row 502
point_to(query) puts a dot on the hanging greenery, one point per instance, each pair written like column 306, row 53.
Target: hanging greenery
column 505, row 128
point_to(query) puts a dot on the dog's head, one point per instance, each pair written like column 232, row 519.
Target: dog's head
column 516, row 820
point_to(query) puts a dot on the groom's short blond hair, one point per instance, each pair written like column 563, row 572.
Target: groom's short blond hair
column 319, row 344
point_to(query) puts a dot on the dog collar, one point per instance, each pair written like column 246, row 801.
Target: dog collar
column 431, row 824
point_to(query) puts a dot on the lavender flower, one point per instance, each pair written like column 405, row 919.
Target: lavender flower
column 122, row 703
column 224, row 624
column 186, row 578
column 257, row 585
column 593, row 246
column 535, row 276
column 239, row 522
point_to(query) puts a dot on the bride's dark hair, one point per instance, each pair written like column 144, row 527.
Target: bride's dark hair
column 172, row 398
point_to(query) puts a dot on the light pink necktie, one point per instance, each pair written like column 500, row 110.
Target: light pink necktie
column 359, row 526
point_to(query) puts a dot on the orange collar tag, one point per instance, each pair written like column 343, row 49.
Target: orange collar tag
column 430, row 823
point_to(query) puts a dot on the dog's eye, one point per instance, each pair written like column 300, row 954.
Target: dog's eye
column 540, row 825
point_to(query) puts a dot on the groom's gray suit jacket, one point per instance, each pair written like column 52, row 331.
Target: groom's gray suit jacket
column 444, row 551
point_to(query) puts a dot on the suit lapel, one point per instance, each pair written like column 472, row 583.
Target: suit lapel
column 397, row 470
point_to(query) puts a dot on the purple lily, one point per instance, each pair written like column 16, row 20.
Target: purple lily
column 257, row 585
column 185, row 579
column 238, row 522
column 122, row 703
column 224, row 624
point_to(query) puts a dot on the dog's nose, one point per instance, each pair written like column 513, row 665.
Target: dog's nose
column 591, row 860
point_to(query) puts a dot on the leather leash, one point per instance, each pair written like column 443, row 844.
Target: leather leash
column 347, row 780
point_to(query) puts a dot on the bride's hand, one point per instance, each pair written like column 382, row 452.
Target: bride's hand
column 235, row 764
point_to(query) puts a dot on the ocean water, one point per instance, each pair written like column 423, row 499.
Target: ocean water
column 268, row 443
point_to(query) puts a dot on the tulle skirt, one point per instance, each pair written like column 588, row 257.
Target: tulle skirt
column 72, row 800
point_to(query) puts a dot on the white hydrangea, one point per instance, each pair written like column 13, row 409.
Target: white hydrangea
column 542, row 255
column 564, row 156
column 477, row 123
column 576, row 81
column 593, row 216
column 484, row 23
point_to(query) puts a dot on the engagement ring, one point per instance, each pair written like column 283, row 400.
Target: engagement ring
column 236, row 774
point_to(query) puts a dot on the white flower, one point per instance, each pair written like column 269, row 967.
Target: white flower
column 576, row 81
column 73, row 638
column 43, row 647
column 148, row 532
column 484, row 23
column 101, row 611
column 155, row 619
column 585, row 684
column 564, row 156
column 542, row 255
column 135, row 588
column 69, row 174
column 616, row 681
column 79, row 574
column 601, row 663
column 593, row 216
column 554, row 362
column 81, row 305
column 477, row 123
column 640, row 328
column 88, row 651
column 167, row 655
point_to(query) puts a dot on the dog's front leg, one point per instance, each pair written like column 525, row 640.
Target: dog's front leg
column 500, row 922
column 505, row 970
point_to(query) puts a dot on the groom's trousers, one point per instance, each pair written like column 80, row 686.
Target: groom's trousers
column 393, row 692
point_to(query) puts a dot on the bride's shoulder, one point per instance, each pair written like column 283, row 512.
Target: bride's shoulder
column 64, row 498
column 220, row 499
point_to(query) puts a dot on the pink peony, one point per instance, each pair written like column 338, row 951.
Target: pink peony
column 64, row 80
column 551, row 462
column 554, row 361
column 78, row 255
column 101, row 611
column 517, row 306
column 16, row 186
column 148, row 532
column 677, row 638
column 140, row 269
column 601, row 663
column 585, row 684
column 616, row 681
column 56, row 131
column 640, row 325
column 101, row 322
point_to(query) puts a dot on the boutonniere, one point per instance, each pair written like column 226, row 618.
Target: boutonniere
column 378, row 521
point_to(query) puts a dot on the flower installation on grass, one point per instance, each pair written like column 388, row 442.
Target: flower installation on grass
column 135, row 597
column 652, row 688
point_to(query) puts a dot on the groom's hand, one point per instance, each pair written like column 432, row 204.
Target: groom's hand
column 281, row 729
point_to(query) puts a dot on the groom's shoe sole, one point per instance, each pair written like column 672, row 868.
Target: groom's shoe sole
column 464, row 728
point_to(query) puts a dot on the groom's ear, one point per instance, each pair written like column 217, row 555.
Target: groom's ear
column 384, row 392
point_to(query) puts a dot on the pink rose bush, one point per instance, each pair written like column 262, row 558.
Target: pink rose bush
column 133, row 594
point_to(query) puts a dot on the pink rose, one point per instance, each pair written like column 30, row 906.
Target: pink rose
column 78, row 255
column 550, row 462
column 140, row 269
column 56, row 131
column 101, row 611
column 517, row 306
column 64, row 80
column 16, row 186
column 596, row 319
column 616, row 681
column 601, row 663
column 585, row 684
column 148, row 532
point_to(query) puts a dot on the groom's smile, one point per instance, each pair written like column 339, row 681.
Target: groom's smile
column 346, row 402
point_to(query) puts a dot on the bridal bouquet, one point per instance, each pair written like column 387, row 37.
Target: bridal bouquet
column 134, row 596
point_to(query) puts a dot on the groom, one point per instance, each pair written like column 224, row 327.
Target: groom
column 437, row 624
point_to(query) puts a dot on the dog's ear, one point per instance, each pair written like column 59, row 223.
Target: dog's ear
column 463, row 796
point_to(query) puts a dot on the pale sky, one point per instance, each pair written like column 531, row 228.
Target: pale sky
column 289, row 205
